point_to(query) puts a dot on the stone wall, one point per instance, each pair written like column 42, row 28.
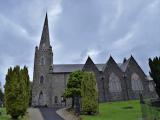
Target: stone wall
column 58, row 85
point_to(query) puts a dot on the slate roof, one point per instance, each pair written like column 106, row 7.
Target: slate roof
column 58, row 68
column 67, row 68
column 123, row 66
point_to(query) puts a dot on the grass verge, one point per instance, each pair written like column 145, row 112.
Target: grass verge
column 126, row 110
column 4, row 116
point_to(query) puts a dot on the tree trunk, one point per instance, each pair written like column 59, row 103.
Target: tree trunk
column 72, row 102
column 15, row 117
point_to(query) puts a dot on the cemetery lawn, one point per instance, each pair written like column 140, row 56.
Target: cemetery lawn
column 4, row 116
column 126, row 110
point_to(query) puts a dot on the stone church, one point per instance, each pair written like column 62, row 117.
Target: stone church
column 115, row 81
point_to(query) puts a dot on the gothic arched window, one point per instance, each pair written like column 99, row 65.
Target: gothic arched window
column 41, row 79
column 114, row 83
column 136, row 82
column 41, row 99
column 42, row 61
column 40, row 94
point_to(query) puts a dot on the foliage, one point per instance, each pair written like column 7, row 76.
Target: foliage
column 155, row 72
column 1, row 96
column 89, row 93
column 150, row 111
column 117, row 111
column 4, row 116
column 83, row 84
column 25, row 78
column 74, row 85
column 17, row 91
column 30, row 95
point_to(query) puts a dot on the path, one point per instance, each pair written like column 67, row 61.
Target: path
column 34, row 114
column 43, row 114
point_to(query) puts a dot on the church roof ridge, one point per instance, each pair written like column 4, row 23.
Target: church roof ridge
column 66, row 68
column 77, row 64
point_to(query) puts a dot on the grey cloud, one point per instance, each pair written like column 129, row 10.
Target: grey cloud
column 88, row 24
column 79, row 28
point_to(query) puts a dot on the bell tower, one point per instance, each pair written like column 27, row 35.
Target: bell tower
column 43, row 61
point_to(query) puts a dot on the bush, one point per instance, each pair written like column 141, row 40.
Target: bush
column 89, row 93
column 17, row 91
column 74, row 85
column 155, row 72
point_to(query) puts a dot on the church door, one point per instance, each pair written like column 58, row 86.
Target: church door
column 41, row 99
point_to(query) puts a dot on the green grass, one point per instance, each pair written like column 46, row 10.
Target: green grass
column 128, row 110
column 4, row 116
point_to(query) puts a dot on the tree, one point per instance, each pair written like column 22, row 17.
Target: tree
column 1, row 97
column 25, row 79
column 89, row 93
column 74, row 85
column 17, row 91
column 30, row 95
column 155, row 72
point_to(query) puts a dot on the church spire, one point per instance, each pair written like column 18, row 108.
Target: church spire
column 45, row 40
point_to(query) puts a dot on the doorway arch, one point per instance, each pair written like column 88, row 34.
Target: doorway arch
column 41, row 99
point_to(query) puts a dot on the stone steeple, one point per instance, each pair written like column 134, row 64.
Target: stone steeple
column 45, row 40
column 43, row 62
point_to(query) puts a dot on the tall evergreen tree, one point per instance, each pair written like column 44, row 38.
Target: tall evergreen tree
column 155, row 72
column 1, row 97
column 16, row 91
column 89, row 93
column 25, row 79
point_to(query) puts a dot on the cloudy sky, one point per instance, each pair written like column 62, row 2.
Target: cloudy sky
column 79, row 28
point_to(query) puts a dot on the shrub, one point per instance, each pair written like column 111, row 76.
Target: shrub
column 17, row 91
column 89, row 93
column 155, row 72
column 74, row 85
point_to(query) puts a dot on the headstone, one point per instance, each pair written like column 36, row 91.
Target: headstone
column 141, row 98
